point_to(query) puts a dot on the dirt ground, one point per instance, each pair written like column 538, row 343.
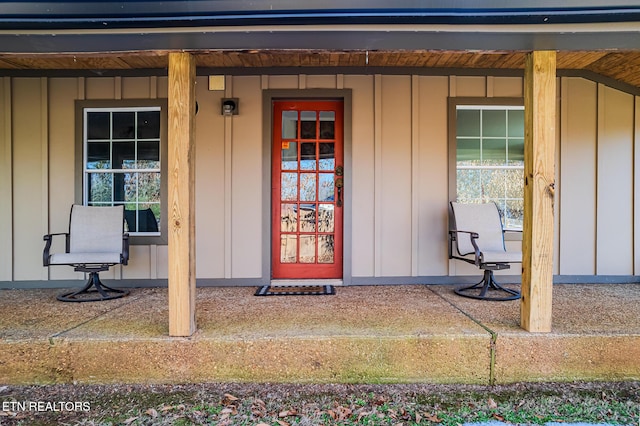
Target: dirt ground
column 311, row 404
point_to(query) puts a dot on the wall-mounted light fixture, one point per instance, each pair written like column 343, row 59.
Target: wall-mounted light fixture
column 229, row 106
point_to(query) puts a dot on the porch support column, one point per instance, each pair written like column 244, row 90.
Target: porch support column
column 539, row 163
column 181, row 205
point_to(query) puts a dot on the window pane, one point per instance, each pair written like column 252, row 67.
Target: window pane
column 494, row 152
column 288, row 218
column 98, row 155
column 327, row 187
column 493, row 184
column 98, row 125
column 325, row 249
column 289, row 124
column 468, row 185
column 514, row 214
column 516, row 123
column 327, row 156
column 289, row 187
column 494, row 123
column 307, row 218
column 141, row 218
column 124, row 125
column 468, row 152
column 149, row 125
column 516, row 152
column 308, row 156
column 149, row 155
column 289, row 155
column 468, row 123
column 149, row 187
column 514, row 180
column 307, row 249
column 288, row 248
column 327, row 124
column 308, row 125
column 124, row 155
column 307, row 186
column 100, row 187
column 325, row 218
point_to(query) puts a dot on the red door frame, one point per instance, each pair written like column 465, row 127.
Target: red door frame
column 316, row 270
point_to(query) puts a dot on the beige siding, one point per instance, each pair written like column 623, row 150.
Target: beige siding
column 362, row 199
column 62, row 163
column 30, row 190
column 433, row 157
column 210, row 176
column 615, row 182
column 6, row 182
column 577, row 191
column 399, row 188
column 246, row 169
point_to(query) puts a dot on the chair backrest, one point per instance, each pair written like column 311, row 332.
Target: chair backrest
column 484, row 219
column 96, row 229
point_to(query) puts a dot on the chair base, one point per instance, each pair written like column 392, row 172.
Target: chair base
column 488, row 289
column 88, row 294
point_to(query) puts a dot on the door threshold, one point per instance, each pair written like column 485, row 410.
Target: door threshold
column 304, row 281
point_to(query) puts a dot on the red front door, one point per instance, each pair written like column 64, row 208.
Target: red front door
column 307, row 193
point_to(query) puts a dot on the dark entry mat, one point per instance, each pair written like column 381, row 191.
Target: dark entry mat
column 296, row 290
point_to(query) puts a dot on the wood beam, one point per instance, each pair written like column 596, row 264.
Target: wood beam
column 181, row 200
column 539, row 186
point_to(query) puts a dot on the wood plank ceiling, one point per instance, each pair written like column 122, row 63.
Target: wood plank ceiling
column 622, row 66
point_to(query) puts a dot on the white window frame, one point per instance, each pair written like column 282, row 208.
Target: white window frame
column 500, row 104
column 82, row 173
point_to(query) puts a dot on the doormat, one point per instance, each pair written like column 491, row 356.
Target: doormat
column 296, row 290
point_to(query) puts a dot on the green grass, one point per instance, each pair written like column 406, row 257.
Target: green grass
column 280, row 405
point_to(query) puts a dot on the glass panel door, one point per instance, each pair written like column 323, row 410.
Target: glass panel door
column 308, row 184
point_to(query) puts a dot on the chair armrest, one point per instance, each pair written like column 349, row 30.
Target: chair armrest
column 474, row 236
column 47, row 246
column 125, row 249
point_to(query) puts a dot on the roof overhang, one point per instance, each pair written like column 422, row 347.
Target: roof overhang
column 113, row 26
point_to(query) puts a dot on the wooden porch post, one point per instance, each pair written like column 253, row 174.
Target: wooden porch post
column 181, row 206
column 539, row 151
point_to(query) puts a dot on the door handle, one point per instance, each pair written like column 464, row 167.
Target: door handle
column 339, row 185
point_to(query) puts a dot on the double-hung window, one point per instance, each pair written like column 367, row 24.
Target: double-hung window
column 489, row 158
column 122, row 164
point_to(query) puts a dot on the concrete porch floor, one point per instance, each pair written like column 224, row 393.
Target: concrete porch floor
column 370, row 334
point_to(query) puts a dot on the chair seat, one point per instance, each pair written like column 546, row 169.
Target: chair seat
column 84, row 258
column 501, row 256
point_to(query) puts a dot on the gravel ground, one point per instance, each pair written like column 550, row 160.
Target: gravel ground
column 316, row 404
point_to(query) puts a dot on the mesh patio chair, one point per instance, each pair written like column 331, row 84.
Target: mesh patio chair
column 95, row 242
column 478, row 238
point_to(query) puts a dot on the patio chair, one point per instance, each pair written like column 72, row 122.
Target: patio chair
column 478, row 238
column 95, row 242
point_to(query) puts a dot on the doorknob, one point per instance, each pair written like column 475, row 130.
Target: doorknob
column 339, row 185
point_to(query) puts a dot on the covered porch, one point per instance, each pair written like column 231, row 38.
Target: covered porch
column 372, row 334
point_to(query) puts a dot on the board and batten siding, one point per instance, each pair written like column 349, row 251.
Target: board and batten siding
column 400, row 170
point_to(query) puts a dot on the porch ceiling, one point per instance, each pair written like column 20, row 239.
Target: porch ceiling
column 617, row 65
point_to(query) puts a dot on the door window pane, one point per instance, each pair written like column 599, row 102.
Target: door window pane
column 288, row 218
column 327, row 187
column 326, row 249
column 307, row 218
column 289, row 187
column 327, row 156
column 307, row 249
column 326, row 219
column 308, row 156
column 307, row 186
column 288, row 248
column 308, row 125
column 289, row 125
column 327, row 125
column 289, row 155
